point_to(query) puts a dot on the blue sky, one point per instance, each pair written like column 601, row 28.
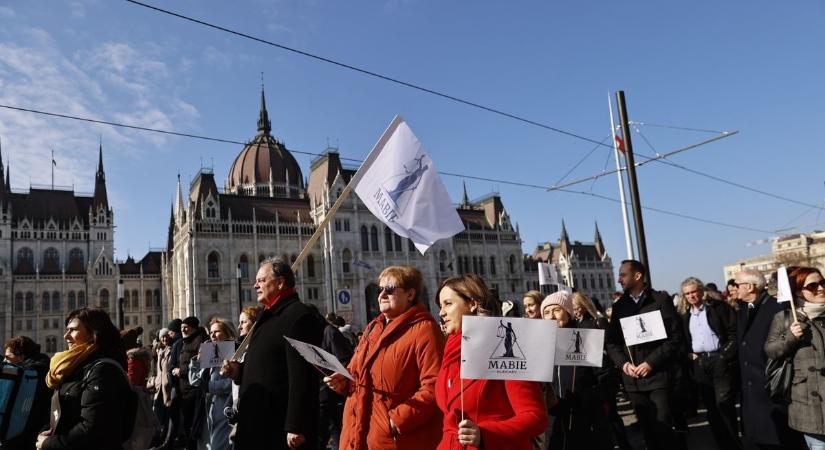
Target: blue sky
column 756, row 67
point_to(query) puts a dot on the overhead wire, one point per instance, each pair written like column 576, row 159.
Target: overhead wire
column 451, row 174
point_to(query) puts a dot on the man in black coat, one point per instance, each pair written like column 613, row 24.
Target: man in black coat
column 765, row 423
column 647, row 369
column 278, row 395
column 710, row 328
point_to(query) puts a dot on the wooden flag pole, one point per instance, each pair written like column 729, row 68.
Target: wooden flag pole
column 793, row 310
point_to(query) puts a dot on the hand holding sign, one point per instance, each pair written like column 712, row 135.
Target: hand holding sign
column 641, row 328
column 783, row 287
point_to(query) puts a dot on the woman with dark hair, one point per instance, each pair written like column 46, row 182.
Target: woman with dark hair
column 96, row 402
column 391, row 402
column 24, row 352
column 803, row 341
column 497, row 413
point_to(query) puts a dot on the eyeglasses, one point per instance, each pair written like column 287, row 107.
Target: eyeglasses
column 740, row 284
column 388, row 289
column 812, row 287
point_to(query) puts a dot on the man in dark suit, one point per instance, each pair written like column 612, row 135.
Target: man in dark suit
column 710, row 328
column 765, row 423
column 648, row 369
column 278, row 395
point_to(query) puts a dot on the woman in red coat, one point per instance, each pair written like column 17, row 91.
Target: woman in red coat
column 497, row 414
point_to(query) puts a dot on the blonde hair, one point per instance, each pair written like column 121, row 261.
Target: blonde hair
column 535, row 295
column 407, row 277
column 227, row 327
column 585, row 303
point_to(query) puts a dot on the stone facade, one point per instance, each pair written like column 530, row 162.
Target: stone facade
column 807, row 249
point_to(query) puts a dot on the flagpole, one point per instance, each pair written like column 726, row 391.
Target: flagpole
column 627, row 239
column 52, row 169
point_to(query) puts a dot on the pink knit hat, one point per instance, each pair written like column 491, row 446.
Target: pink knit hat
column 561, row 298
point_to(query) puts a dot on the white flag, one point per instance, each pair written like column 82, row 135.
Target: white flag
column 213, row 354
column 507, row 348
column 579, row 347
column 547, row 274
column 399, row 183
column 783, row 286
column 643, row 328
column 319, row 357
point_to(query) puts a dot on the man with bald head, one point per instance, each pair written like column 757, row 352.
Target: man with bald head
column 765, row 423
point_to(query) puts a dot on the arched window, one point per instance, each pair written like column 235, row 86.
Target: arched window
column 397, row 243
column 25, row 256
column 346, row 258
column 244, row 263
column 135, row 299
column 29, row 302
column 71, row 301
column 127, row 297
column 388, row 239
column 492, row 265
column 310, row 266
column 76, row 257
column 157, row 298
column 475, row 264
column 104, row 298
column 47, row 302
column 212, row 264
column 18, row 302
column 365, row 239
column 511, row 264
column 51, row 344
column 460, row 264
column 374, row 238
column 51, row 258
column 481, row 265
column 57, row 306
column 81, row 299
column 147, row 298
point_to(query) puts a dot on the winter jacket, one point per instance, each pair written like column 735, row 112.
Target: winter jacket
column 806, row 413
column 93, row 412
column 395, row 367
column 278, row 391
column 188, row 349
column 39, row 414
column 722, row 321
column 214, row 428
column 508, row 413
column 662, row 355
column 339, row 346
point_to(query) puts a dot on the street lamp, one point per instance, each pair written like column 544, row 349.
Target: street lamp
column 120, row 303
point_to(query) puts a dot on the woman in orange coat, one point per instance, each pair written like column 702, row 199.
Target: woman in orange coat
column 497, row 414
column 391, row 402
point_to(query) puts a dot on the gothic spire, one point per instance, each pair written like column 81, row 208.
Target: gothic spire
column 2, row 175
column 100, row 198
column 264, row 125
column 179, row 201
column 466, row 201
column 598, row 241
column 564, row 236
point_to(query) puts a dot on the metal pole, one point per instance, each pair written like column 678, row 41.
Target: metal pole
column 120, row 317
column 634, row 186
column 240, row 290
column 627, row 239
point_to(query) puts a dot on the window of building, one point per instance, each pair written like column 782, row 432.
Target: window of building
column 346, row 225
column 374, row 238
column 149, row 320
column 76, row 257
column 29, row 302
column 346, row 259
column 51, row 344
column 55, row 324
column 127, row 298
column 57, row 305
column 244, row 263
column 25, row 256
column 81, row 299
column 310, row 262
column 18, row 302
column 104, row 298
column 212, row 264
column 511, row 264
column 72, row 304
column 397, row 243
column 442, row 261
column 29, row 324
column 135, row 299
column 147, row 298
column 481, row 265
column 214, row 295
column 492, row 265
column 45, row 324
column 365, row 240
column 337, row 224
column 127, row 321
column 46, row 306
column 51, row 257
column 388, row 239
column 157, row 298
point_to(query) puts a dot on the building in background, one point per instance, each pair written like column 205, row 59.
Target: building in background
column 804, row 249
column 217, row 237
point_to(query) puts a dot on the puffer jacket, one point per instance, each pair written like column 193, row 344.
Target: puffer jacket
column 806, row 413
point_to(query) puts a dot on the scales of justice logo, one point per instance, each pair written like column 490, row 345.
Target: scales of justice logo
column 642, row 332
column 576, row 352
column 507, row 354
column 393, row 195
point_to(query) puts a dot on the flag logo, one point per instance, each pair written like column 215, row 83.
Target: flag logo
column 398, row 188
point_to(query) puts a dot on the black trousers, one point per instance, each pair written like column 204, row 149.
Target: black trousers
column 654, row 410
column 714, row 381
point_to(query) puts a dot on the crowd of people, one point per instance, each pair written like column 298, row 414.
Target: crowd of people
column 741, row 347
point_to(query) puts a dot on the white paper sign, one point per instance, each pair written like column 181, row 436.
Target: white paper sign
column 643, row 328
column 319, row 357
column 507, row 348
column 547, row 274
column 213, row 354
column 579, row 347
column 783, row 286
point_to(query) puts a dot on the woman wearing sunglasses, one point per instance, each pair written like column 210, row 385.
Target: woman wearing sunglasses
column 804, row 341
column 391, row 401
column 494, row 414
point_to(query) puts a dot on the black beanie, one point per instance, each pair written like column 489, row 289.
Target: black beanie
column 192, row 321
column 175, row 325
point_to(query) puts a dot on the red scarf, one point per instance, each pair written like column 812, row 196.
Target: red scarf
column 270, row 302
column 451, row 363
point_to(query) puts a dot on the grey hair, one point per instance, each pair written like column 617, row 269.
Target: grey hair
column 280, row 268
column 693, row 280
column 753, row 277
